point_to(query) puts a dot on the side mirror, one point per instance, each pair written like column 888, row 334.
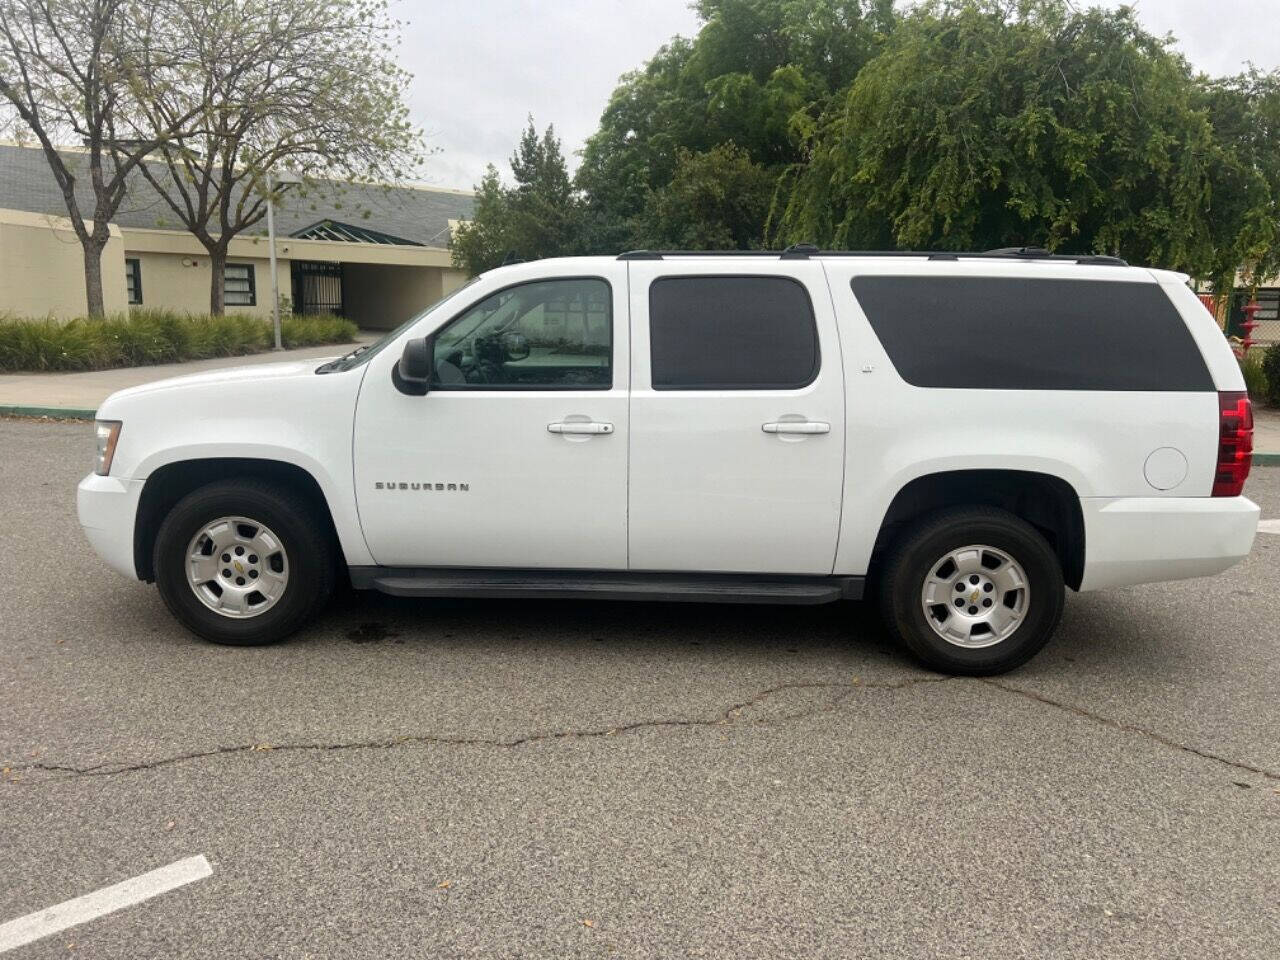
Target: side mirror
column 413, row 372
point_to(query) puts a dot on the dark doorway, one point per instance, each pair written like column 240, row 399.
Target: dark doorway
column 317, row 287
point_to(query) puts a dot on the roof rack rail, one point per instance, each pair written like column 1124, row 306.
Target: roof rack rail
column 800, row 251
column 803, row 251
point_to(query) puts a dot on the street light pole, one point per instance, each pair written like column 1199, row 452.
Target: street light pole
column 275, row 282
column 284, row 180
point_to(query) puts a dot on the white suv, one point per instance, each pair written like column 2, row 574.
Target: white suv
column 961, row 435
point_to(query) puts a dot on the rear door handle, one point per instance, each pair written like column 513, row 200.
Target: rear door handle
column 797, row 426
column 580, row 426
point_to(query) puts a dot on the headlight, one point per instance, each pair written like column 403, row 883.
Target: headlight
column 108, row 432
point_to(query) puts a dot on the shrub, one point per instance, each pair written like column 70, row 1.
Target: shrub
column 1255, row 377
column 145, row 337
column 306, row 331
column 1271, row 371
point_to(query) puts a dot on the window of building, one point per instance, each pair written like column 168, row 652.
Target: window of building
column 238, row 289
column 133, row 279
column 998, row 333
column 731, row 333
column 548, row 334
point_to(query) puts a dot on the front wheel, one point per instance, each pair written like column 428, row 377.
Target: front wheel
column 243, row 562
column 975, row 591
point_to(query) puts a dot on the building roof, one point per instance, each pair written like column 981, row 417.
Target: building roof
column 418, row 215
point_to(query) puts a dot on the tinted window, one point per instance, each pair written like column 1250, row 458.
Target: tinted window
column 708, row 333
column 541, row 335
column 1031, row 334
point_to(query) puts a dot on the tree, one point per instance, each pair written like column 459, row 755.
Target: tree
column 989, row 123
column 1244, row 208
column 758, row 74
column 717, row 200
column 73, row 69
column 540, row 216
column 305, row 84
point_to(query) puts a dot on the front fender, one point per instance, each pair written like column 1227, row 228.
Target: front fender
column 303, row 420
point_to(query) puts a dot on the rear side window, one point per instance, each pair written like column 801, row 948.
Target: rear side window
column 1032, row 334
column 731, row 333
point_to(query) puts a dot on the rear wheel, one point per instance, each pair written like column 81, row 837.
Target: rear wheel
column 243, row 562
column 973, row 591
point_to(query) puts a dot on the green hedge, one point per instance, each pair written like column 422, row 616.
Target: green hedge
column 153, row 336
column 1255, row 376
column 1271, row 374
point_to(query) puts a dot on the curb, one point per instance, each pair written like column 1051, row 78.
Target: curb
column 1266, row 459
column 53, row 413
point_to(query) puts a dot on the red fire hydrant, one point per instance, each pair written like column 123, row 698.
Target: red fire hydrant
column 1249, row 324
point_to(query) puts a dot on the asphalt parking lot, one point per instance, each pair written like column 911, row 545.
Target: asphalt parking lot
column 483, row 778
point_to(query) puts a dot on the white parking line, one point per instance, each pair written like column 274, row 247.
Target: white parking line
column 1269, row 526
column 42, row 923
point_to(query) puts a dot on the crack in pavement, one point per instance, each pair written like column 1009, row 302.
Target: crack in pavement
column 726, row 717
column 1128, row 728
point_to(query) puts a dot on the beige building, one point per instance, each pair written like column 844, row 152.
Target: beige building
column 377, row 255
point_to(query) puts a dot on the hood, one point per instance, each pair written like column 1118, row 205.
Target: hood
column 226, row 375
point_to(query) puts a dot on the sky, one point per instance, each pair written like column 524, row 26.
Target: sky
column 482, row 66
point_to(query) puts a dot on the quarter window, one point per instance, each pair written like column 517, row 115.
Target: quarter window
column 731, row 333
column 544, row 335
column 133, row 279
column 238, row 289
column 997, row 333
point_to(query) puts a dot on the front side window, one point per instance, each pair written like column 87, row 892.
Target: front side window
column 133, row 279
column 546, row 334
column 237, row 285
column 731, row 333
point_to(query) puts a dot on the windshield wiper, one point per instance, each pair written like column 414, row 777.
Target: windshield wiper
column 335, row 364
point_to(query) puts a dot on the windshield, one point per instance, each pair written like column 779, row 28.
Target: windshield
column 366, row 352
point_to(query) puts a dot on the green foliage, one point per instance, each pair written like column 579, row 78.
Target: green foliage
column 539, row 216
column 146, row 337
column 717, row 200
column 1255, row 377
column 1244, row 201
column 1271, row 371
column 758, row 75
column 313, row 330
column 987, row 123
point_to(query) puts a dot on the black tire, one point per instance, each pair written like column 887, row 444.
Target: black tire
column 913, row 557
column 306, row 541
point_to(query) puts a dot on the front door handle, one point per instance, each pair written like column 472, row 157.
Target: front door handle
column 797, row 426
column 580, row 426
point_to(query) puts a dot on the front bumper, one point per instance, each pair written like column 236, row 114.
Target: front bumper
column 108, row 507
column 1132, row 540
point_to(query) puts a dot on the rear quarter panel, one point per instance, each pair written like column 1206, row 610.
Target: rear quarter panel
column 1096, row 441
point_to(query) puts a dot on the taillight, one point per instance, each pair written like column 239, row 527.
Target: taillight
column 1235, row 443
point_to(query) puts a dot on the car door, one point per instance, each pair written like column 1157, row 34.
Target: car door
column 737, row 417
column 517, row 454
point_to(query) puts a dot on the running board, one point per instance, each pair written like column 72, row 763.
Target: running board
column 604, row 585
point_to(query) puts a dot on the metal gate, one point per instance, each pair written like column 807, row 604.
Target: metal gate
column 317, row 287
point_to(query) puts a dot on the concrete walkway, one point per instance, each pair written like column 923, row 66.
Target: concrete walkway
column 78, row 395
column 1266, row 435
